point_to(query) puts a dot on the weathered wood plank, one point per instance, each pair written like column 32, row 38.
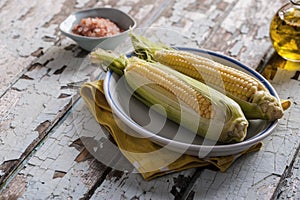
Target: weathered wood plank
column 194, row 20
column 23, row 32
column 61, row 167
column 25, row 125
column 290, row 185
column 133, row 186
column 235, row 28
column 245, row 31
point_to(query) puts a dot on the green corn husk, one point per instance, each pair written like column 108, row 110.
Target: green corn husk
column 151, row 92
column 261, row 105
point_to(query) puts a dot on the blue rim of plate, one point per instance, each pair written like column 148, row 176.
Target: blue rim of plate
column 135, row 126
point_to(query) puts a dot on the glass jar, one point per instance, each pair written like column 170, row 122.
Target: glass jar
column 285, row 31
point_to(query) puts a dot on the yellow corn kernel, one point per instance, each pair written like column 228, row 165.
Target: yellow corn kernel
column 235, row 81
column 184, row 100
column 238, row 85
column 177, row 87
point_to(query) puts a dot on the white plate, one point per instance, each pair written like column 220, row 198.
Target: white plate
column 168, row 134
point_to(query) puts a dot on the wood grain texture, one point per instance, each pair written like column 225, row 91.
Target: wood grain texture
column 290, row 184
column 23, row 32
column 42, row 86
column 132, row 186
column 61, row 167
column 235, row 28
column 53, row 151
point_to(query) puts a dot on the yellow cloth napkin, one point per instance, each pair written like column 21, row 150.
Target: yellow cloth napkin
column 150, row 159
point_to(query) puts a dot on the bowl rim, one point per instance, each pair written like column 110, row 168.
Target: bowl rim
column 70, row 33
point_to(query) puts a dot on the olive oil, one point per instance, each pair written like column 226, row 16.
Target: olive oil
column 285, row 32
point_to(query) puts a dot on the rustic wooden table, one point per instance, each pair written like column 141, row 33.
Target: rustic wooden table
column 43, row 119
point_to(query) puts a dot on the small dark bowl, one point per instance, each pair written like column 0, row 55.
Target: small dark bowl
column 123, row 21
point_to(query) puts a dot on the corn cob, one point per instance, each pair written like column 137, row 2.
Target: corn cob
column 254, row 99
column 186, row 101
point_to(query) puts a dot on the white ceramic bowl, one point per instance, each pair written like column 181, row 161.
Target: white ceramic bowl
column 123, row 20
column 153, row 126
